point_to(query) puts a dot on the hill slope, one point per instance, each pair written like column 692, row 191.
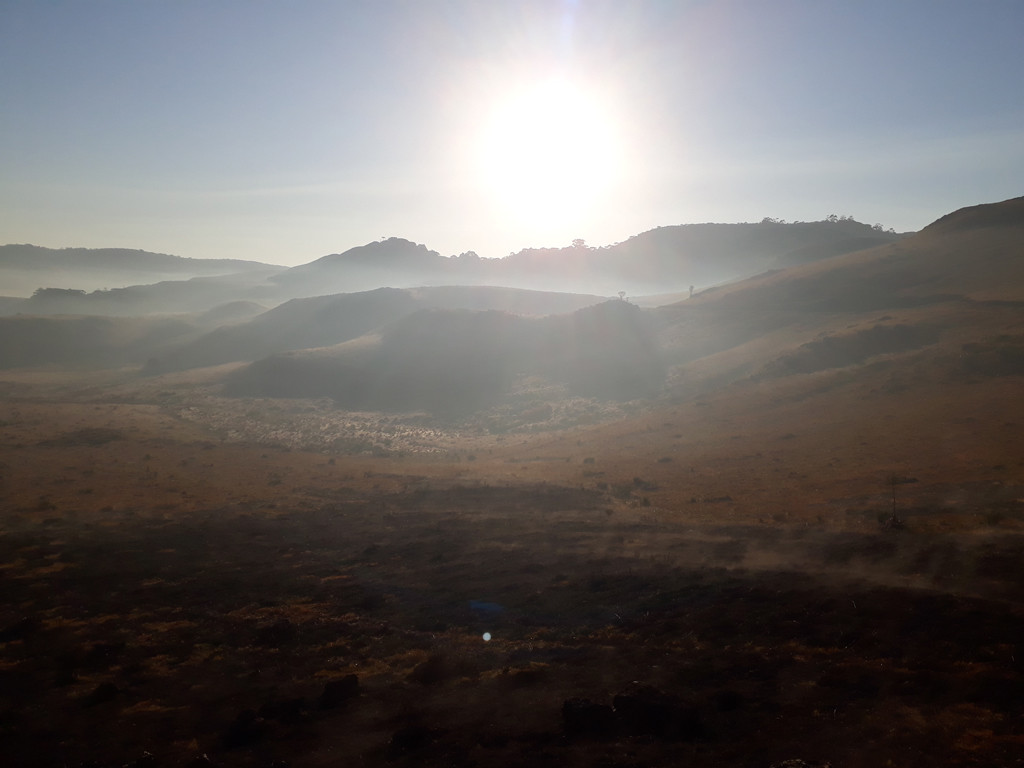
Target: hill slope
column 454, row 362
column 327, row 320
column 664, row 260
column 26, row 268
column 971, row 254
column 673, row 258
column 942, row 301
column 661, row 260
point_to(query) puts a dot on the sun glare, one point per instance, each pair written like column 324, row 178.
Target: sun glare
column 548, row 154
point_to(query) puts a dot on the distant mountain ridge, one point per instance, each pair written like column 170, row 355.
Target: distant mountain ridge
column 25, row 256
column 703, row 254
column 939, row 305
column 394, row 251
column 974, row 254
column 25, row 269
column 661, row 261
column 657, row 261
column 957, row 286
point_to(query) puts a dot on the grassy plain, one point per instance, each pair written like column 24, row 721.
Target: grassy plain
column 186, row 575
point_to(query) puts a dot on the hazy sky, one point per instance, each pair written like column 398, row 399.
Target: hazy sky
column 283, row 131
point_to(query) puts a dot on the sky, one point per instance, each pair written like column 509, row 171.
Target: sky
column 285, row 131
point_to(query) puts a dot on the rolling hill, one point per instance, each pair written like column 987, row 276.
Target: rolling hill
column 90, row 341
column 327, row 320
column 25, row 268
column 946, row 299
column 196, row 294
column 454, row 362
column 662, row 261
column 944, row 303
column 658, row 261
column 953, row 268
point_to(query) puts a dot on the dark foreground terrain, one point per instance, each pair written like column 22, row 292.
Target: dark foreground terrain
column 353, row 634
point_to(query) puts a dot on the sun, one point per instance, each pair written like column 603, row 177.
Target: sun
column 549, row 152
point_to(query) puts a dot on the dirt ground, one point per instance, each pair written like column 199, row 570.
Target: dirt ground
column 179, row 591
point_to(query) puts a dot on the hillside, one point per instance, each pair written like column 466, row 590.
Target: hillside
column 35, row 257
column 673, row 258
column 1009, row 213
column 455, row 362
column 327, row 320
column 931, row 290
column 948, row 281
column 88, row 342
column 662, row 260
column 196, row 294
column 26, row 268
column 243, row 330
column 923, row 292
column 954, row 260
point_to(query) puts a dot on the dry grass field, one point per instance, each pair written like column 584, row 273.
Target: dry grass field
column 703, row 580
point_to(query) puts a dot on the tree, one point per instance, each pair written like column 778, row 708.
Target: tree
column 57, row 293
column 579, row 242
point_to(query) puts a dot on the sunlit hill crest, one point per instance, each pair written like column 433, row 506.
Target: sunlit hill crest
column 663, row 260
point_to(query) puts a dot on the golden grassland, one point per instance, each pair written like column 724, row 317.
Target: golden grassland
column 813, row 450
column 714, row 577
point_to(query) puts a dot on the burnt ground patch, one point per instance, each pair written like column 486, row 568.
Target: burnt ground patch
column 354, row 632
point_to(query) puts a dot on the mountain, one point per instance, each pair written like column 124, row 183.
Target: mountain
column 327, row 320
column 197, row 294
column 26, row 268
column 952, row 292
column 659, row 261
column 971, row 254
column 89, row 341
column 932, row 307
column 395, row 262
column 454, row 362
column 120, row 259
column 956, row 288
column 296, row 324
column 672, row 258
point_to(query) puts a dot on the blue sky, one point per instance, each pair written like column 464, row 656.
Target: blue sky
column 283, row 131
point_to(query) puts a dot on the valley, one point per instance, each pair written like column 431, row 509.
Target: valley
column 782, row 520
